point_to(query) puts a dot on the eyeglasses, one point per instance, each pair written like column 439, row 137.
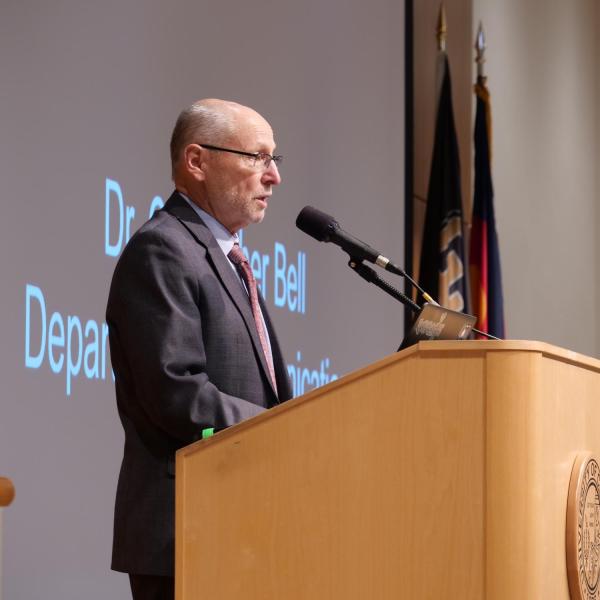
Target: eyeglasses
column 262, row 158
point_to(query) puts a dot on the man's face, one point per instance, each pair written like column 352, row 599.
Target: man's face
column 237, row 191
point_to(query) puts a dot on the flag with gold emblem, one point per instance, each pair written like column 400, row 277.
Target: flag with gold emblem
column 442, row 271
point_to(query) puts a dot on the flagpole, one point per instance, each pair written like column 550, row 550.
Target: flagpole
column 441, row 35
column 442, row 29
column 480, row 53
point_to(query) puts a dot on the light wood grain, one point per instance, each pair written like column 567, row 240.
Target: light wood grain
column 7, row 491
column 439, row 472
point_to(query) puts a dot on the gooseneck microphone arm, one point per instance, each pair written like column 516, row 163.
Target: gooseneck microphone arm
column 369, row 274
column 489, row 336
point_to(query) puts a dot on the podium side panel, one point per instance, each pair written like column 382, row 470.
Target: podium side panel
column 541, row 411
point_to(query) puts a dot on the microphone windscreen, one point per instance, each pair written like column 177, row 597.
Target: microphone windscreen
column 315, row 223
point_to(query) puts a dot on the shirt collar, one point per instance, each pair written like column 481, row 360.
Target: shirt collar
column 224, row 237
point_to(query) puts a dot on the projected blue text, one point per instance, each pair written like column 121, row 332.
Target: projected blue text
column 63, row 341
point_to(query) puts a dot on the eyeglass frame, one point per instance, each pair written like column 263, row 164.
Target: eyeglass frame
column 276, row 158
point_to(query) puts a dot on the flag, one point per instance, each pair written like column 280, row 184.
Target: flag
column 484, row 255
column 442, row 270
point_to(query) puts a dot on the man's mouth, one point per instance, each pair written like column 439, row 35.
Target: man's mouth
column 264, row 199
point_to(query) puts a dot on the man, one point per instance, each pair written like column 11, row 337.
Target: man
column 191, row 346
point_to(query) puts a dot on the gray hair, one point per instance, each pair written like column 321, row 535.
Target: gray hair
column 207, row 121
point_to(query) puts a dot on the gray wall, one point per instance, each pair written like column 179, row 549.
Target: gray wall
column 544, row 67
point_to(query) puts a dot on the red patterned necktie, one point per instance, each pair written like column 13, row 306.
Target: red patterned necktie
column 238, row 258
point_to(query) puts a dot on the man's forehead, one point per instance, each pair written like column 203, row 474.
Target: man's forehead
column 252, row 128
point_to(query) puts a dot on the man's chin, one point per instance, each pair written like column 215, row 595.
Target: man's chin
column 253, row 219
column 259, row 215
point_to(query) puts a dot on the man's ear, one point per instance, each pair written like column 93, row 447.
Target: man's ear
column 193, row 160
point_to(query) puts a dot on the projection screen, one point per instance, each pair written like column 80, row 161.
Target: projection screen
column 90, row 92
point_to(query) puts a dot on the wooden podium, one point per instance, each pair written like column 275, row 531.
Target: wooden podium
column 439, row 472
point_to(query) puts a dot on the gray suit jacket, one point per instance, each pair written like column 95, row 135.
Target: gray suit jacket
column 186, row 355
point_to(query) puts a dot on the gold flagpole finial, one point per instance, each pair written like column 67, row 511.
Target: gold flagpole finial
column 480, row 51
column 442, row 29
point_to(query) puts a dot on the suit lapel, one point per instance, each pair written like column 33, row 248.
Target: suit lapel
column 181, row 210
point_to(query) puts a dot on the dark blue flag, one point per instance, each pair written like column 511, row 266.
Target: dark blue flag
column 442, row 271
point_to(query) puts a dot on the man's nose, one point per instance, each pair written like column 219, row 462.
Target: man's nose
column 271, row 175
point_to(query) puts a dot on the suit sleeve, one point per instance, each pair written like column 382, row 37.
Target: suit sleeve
column 156, row 340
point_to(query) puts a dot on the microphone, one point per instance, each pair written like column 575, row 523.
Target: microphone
column 325, row 228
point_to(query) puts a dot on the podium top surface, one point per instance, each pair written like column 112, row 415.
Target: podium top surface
column 429, row 349
column 544, row 348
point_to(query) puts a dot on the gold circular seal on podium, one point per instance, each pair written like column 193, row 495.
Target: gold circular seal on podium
column 583, row 529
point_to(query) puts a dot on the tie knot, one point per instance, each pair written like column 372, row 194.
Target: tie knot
column 236, row 255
